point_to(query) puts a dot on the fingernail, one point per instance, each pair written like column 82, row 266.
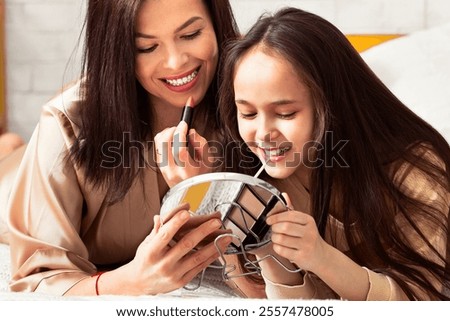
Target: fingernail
column 216, row 223
column 185, row 215
column 227, row 239
column 224, row 242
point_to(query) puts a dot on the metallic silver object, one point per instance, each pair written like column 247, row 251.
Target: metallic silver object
column 244, row 203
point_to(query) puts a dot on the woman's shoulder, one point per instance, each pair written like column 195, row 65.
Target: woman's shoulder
column 64, row 107
column 71, row 92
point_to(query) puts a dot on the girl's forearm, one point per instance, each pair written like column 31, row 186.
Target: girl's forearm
column 348, row 279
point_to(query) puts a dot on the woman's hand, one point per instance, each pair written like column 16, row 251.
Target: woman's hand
column 295, row 237
column 159, row 267
column 173, row 156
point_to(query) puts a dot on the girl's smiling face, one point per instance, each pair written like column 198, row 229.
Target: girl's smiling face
column 176, row 50
column 275, row 111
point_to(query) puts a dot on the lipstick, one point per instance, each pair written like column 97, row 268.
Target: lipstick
column 188, row 111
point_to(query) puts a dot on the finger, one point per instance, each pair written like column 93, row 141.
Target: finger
column 289, row 216
column 288, row 201
column 289, row 228
column 194, row 222
column 197, row 220
column 286, row 240
column 286, row 252
column 211, row 237
column 190, row 241
column 165, row 217
column 191, row 274
column 179, row 145
column 200, row 145
column 166, row 232
column 156, row 223
column 201, row 259
column 163, row 150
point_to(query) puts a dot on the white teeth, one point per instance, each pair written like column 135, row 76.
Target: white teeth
column 182, row 81
column 275, row 152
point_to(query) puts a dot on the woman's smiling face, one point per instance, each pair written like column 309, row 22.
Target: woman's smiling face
column 176, row 50
column 275, row 111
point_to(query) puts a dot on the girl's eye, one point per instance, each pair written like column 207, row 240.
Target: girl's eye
column 147, row 50
column 192, row 36
column 287, row 116
column 247, row 116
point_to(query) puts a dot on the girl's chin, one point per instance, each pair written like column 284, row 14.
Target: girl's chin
column 279, row 173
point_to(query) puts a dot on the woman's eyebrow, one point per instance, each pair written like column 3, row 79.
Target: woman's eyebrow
column 186, row 24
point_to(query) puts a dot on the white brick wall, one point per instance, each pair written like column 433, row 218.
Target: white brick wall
column 41, row 35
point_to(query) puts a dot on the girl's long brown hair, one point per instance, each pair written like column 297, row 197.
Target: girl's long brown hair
column 383, row 136
column 115, row 107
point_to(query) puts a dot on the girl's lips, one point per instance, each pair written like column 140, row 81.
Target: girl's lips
column 273, row 154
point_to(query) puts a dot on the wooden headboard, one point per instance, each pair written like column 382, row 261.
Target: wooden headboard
column 363, row 42
column 2, row 68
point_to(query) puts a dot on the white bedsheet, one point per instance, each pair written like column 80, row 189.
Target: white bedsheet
column 212, row 287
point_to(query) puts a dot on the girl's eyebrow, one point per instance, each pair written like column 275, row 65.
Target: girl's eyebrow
column 274, row 103
column 242, row 102
column 283, row 102
column 186, row 24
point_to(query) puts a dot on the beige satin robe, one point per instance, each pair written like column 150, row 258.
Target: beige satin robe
column 60, row 227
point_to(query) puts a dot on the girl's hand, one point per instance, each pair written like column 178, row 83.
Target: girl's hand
column 159, row 267
column 295, row 237
column 173, row 157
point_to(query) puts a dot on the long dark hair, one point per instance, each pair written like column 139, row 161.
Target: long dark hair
column 385, row 140
column 114, row 103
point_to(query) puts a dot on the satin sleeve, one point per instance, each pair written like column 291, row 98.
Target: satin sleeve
column 45, row 212
column 311, row 288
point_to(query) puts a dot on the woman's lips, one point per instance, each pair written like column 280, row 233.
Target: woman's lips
column 183, row 82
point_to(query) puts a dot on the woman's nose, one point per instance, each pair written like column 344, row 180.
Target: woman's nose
column 175, row 58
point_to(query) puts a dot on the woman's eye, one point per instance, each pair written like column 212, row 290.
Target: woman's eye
column 287, row 116
column 191, row 36
column 147, row 50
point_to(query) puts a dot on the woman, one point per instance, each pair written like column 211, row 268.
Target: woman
column 87, row 192
column 368, row 179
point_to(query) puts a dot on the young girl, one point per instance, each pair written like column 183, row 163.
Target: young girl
column 85, row 196
column 368, row 180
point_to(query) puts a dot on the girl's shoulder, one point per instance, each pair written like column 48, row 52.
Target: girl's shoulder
column 423, row 175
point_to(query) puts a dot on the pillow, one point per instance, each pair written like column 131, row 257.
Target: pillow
column 416, row 68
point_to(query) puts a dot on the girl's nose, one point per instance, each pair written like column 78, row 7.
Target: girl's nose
column 266, row 131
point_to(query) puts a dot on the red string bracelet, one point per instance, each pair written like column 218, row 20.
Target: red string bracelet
column 98, row 275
